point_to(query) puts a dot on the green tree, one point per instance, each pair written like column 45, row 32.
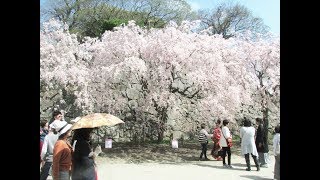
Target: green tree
column 156, row 13
column 93, row 17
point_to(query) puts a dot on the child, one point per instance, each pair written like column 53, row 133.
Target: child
column 203, row 139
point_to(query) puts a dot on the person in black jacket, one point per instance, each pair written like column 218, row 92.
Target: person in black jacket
column 83, row 165
column 262, row 144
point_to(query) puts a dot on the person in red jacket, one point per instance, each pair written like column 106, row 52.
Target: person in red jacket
column 216, row 138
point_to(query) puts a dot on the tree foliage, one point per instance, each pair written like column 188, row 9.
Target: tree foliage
column 93, row 17
column 170, row 78
column 228, row 19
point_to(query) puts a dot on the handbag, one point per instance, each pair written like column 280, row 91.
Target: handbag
column 217, row 152
column 220, row 153
column 228, row 140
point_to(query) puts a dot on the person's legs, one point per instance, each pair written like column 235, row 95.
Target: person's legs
column 229, row 157
column 246, row 157
column 256, row 162
column 261, row 158
column 266, row 159
column 277, row 167
column 224, row 153
column 45, row 170
column 216, row 148
column 202, row 150
column 205, row 150
column 214, row 152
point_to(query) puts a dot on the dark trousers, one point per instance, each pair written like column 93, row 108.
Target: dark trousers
column 226, row 150
column 255, row 159
column 204, row 147
column 45, row 170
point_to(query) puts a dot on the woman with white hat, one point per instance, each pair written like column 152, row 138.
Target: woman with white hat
column 62, row 153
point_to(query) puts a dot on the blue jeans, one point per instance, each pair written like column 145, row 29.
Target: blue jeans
column 64, row 175
column 45, row 170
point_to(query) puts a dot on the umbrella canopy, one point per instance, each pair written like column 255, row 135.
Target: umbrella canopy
column 97, row 120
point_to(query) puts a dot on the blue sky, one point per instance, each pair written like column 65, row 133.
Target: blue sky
column 268, row 10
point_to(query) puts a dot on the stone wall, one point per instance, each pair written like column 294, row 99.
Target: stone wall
column 130, row 132
column 135, row 132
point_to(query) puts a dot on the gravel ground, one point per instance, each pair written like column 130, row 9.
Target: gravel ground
column 161, row 162
column 191, row 170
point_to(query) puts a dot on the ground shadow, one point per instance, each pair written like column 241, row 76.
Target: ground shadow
column 217, row 166
column 139, row 153
column 240, row 164
column 255, row 177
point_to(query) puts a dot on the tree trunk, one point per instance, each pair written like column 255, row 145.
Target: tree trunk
column 162, row 115
column 160, row 136
column 266, row 123
column 160, row 131
column 143, row 134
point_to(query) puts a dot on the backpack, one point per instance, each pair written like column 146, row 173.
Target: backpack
column 202, row 138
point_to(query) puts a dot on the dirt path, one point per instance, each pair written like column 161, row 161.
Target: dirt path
column 191, row 170
column 161, row 162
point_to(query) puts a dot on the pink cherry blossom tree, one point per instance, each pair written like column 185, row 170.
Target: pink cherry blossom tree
column 63, row 67
column 157, row 79
column 262, row 64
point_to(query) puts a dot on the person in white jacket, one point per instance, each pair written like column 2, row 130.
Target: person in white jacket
column 225, row 134
column 47, row 149
column 248, row 146
column 276, row 152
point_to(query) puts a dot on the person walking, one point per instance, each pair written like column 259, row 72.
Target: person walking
column 276, row 152
column 47, row 149
column 203, row 139
column 62, row 153
column 225, row 134
column 83, row 165
column 216, row 138
column 43, row 132
column 262, row 144
column 248, row 146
